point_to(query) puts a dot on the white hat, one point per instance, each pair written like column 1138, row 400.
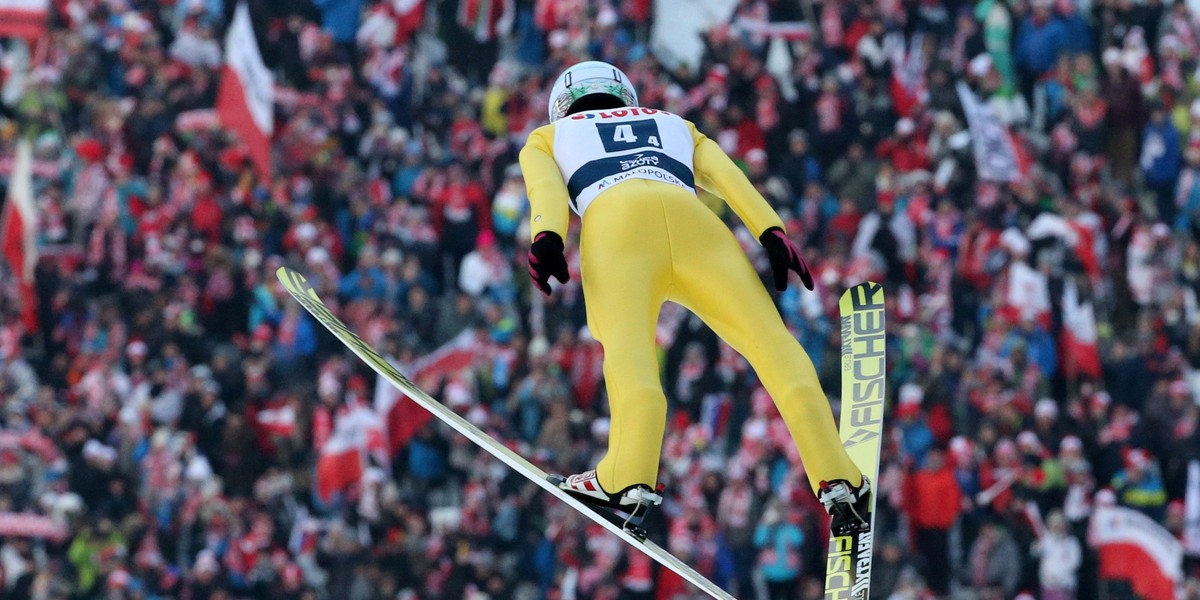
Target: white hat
column 1111, row 56
column 980, row 65
column 1046, row 407
column 600, row 427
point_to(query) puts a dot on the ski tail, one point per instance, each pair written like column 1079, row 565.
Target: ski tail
column 848, row 563
column 302, row 291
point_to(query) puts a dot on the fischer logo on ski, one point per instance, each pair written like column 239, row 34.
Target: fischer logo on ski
column 865, row 326
column 864, row 358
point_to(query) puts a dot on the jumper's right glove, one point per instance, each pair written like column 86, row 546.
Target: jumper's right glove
column 546, row 259
column 784, row 255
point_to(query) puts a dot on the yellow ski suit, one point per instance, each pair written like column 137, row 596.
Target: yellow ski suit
column 647, row 239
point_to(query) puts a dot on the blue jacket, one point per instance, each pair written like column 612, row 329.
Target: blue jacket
column 340, row 18
column 1161, row 156
column 786, row 540
column 352, row 284
column 1079, row 34
column 1038, row 46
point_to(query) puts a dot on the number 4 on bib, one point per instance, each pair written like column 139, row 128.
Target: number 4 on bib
column 848, row 564
column 624, row 133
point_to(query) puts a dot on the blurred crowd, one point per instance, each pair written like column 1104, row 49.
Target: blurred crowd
column 142, row 449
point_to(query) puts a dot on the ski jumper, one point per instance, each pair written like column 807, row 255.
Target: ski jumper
column 631, row 175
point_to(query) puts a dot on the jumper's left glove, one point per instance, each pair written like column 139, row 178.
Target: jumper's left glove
column 546, row 259
column 784, row 255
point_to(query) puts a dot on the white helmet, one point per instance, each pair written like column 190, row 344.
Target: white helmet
column 585, row 79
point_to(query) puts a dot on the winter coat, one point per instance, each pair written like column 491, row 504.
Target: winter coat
column 780, row 544
column 340, row 18
column 996, row 564
column 936, row 499
column 1038, row 45
column 1161, row 156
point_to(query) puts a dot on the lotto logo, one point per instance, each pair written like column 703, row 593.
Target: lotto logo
column 617, row 114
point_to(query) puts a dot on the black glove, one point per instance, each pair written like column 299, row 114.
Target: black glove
column 784, row 255
column 546, row 259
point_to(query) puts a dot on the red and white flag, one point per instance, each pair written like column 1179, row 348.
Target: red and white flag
column 908, row 87
column 340, row 465
column 1081, row 354
column 23, row 18
column 18, row 230
column 402, row 417
column 1135, row 548
column 279, row 421
column 245, row 99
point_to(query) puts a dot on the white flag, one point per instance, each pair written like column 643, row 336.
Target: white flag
column 995, row 156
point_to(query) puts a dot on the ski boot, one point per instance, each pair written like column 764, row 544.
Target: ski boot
column 848, row 505
column 635, row 500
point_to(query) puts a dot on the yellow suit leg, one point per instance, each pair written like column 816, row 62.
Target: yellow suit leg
column 625, row 255
column 714, row 279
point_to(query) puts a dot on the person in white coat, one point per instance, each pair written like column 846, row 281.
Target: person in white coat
column 1060, row 555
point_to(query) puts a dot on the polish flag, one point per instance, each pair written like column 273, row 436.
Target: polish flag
column 18, row 230
column 279, row 421
column 402, row 417
column 340, row 464
column 1135, row 548
column 23, row 18
column 908, row 86
column 245, row 99
column 1081, row 355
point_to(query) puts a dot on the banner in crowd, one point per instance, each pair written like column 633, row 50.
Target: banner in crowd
column 23, row 18
column 995, row 153
column 18, row 230
column 402, row 417
column 1135, row 548
column 1081, row 355
column 679, row 28
column 29, row 525
column 245, row 99
column 785, row 30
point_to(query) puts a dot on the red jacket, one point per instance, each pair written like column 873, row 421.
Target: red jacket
column 934, row 499
column 907, row 155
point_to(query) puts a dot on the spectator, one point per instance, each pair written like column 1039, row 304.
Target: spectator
column 1139, row 485
column 1060, row 556
column 994, row 567
column 1040, row 40
column 933, row 511
column 779, row 544
column 1160, row 161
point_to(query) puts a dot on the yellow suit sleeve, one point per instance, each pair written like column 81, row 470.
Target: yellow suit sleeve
column 548, row 198
column 717, row 173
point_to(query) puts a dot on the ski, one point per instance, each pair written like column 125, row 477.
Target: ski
column 848, row 562
column 299, row 288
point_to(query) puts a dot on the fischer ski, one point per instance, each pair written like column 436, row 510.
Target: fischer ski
column 299, row 288
column 848, row 562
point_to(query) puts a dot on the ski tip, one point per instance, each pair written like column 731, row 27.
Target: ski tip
column 865, row 294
